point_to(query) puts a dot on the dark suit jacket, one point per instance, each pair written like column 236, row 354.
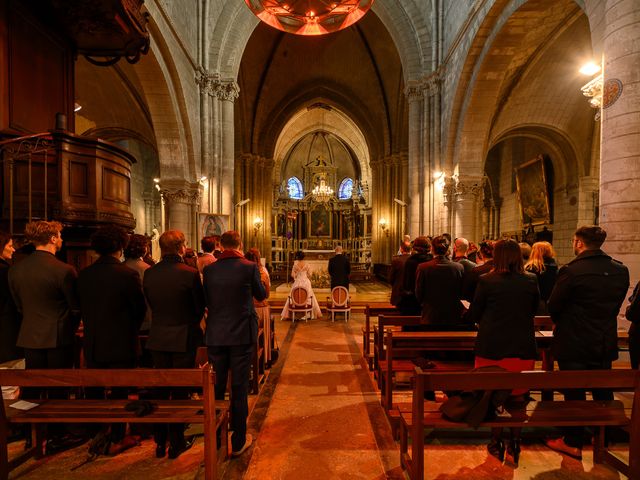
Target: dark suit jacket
column 174, row 293
column 396, row 277
column 584, row 305
column 467, row 264
column 438, row 286
column 9, row 319
column 230, row 286
column 113, row 307
column 470, row 279
column 409, row 304
column 504, row 306
column 339, row 269
column 44, row 290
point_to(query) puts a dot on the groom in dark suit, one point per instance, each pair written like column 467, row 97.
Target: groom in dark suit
column 339, row 269
column 230, row 285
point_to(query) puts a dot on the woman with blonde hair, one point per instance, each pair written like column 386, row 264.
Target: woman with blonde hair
column 542, row 262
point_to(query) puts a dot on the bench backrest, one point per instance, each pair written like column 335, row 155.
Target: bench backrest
column 82, row 377
column 299, row 297
column 402, row 343
column 537, row 380
column 339, row 296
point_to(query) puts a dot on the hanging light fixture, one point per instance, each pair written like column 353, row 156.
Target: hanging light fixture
column 309, row 17
column 322, row 193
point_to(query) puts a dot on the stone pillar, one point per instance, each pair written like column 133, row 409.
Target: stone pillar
column 467, row 192
column 218, row 156
column 181, row 203
column 415, row 160
column 620, row 147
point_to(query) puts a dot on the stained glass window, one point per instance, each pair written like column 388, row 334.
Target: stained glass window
column 295, row 188
column 346, row 189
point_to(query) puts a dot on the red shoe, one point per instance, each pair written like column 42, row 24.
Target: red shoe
column 559, row 445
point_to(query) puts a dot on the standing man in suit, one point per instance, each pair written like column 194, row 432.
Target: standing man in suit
column 230, row 286
column 113, row 308
column 339, row 269
column 396, row 277
column 208, row 245
column 44, row 291
column 175, row 296
column 460, row 249
column 584, row 307
column 438, row 287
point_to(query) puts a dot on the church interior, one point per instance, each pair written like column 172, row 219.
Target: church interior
column 483, row 119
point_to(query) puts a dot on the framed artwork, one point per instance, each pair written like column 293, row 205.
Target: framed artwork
column 212, row 224
column 320, row 222
column 531, row 183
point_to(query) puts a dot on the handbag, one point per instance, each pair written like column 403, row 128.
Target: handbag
column 275, row 351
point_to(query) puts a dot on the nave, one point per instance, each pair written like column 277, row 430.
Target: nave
column 318, row 416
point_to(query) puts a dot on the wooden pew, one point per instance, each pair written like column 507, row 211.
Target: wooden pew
column 536, row 414
column 206, row 411
column 373, row 310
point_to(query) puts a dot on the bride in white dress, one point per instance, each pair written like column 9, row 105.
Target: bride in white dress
column 300, row 273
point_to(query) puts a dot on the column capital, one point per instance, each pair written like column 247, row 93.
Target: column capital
column 468, row 184
column 180, row 191
column 214, row 86
column 413, row 91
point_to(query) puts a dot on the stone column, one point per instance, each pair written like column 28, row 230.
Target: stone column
column 467, row 192
column 415, row 160
column 218, row 156
column 620, row 147
column 181, row 200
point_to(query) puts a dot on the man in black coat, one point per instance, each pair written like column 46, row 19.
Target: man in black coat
column 339, row 269
column 113, row 308
column 438, row 286
column 584, row 306
column 408, row 303
column 44, row 291
column 396, row 277
column 174, row 294
column 230, row 286
column 633, row 315
column 460, row 249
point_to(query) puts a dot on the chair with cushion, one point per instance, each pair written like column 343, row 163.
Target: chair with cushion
column 339, row 302
column 300, row 302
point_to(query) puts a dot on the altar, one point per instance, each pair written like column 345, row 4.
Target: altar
column 318, row 261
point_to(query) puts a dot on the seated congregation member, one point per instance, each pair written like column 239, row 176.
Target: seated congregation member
column 633, row 315
column 484, row 265
column 113, row 308
column 542, row 262
column 174, row 293
column 503, row 306
column 208, row 245
column 408, row 303
column 396, row 277
column 584, row 307
column 231, row 285
column 9, row 318
column 438, row 285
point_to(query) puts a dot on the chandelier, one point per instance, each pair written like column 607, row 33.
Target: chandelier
column 322, row 193
column 309, row 17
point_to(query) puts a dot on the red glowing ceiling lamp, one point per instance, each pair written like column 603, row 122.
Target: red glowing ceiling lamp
column 309, row 17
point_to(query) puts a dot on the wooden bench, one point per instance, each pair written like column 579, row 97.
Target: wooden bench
column 387, row 323
column 373, row 310
column 536, row 414
column 206, row 411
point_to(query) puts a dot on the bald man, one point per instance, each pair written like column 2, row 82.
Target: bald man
column 339, row 269
column 460, row 249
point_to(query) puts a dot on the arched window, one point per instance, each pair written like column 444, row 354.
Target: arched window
column 294, row 185
column 346, row 189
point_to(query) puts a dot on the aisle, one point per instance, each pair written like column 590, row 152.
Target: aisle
column 323, row 416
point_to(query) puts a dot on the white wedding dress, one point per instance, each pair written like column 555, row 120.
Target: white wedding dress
column 300, row 273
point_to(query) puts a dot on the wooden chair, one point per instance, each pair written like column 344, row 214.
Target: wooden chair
column 300, row 302
column 339, row 302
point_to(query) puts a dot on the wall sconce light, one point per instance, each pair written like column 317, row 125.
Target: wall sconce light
column 383, row 225
column 257, row 225
column 203, row 180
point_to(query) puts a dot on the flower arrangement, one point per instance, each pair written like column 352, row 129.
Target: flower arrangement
column 320, row 279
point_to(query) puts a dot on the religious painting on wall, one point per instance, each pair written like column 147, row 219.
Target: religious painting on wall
column 320, row 222
column 531, row 183
column 212, row 224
